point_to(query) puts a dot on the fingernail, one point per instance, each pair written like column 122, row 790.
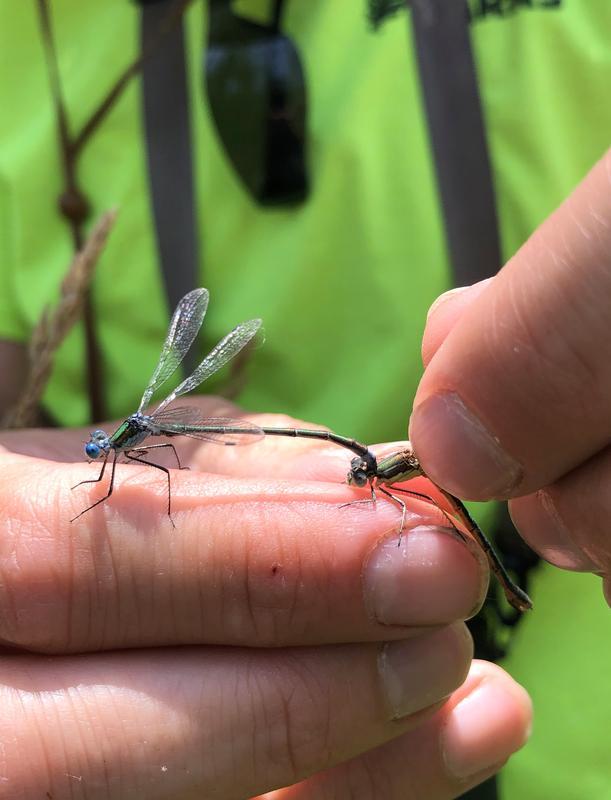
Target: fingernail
column 476, row 736
column 428, row 578
column 416, row 673
column 444, row 297
column 545, row 530
column 474, row 290
column 458, row 452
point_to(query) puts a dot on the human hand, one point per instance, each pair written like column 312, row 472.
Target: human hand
column 272, row 639
column 515, row 399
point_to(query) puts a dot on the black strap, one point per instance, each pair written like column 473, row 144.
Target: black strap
column 456, row 128
column 168, row 143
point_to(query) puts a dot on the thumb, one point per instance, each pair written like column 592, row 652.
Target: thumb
column 517, row 394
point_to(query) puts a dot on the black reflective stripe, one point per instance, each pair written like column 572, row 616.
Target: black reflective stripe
column 168, row 146
column 456, row 128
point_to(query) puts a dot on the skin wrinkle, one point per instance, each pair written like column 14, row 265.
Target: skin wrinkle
column 48, row 707
column 33, row 722
column 115, row 578
column 325, row 588
column 261, row 730
column 247, row 593
column 212, row 767
column 43, row 524
column 586, row 299
column 23, row 565
column 155, row 591
column 199, row 601
column 278, row 607
column 73, row 699
column 21, row 560
column 8, row 604
column 308, row 736
column 129, row 605
column 601, row 221
column 94, row 601
column 220, row 584
column 226, row 581
column 380, row 782
column 287, row 751
column 571, row 501
column 513, row 299
column 262, row 716
column 106, row 745
column 407, row 789
column 9, row 697
column 189, row 585
column 296, row 582
column 304, row 736
column 583, row 374
column 130, row 750
column 240, row 610
column 274, row 609
column 114, row 607
column 597, row 243
column 583, row 230
column 364, row 780
column 558, row 234
column 173, row 591
column 54, row 498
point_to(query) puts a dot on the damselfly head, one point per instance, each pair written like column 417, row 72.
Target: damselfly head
column 97, row 444
column 358, row 475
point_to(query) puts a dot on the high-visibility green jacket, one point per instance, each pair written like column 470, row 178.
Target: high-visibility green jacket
column 343, row 282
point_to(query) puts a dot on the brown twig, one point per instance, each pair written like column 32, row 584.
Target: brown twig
column 73, row 201
column 54, row 325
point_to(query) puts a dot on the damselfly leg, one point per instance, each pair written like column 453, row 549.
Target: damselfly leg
column 97, row 480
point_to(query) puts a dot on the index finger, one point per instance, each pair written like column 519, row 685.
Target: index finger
column 518, row 393
column 251, row 561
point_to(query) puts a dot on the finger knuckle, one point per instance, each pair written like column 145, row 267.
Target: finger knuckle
column 32, row 595
column 301, row 722
column 273, row 588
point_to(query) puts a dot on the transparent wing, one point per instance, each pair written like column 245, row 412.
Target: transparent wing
column 224, row 351
column 188, row 415
column 186, row 322
column 188, row 421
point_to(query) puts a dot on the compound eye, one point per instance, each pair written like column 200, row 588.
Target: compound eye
column 98, row 435
column 359, row 477
column 92, row 450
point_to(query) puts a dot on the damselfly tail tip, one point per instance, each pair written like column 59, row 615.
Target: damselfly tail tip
column 520, row 600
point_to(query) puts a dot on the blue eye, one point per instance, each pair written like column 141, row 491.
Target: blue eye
column 92, row 450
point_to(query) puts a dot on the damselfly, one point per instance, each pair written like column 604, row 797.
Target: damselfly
column 403, row 465
column 180, row 420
